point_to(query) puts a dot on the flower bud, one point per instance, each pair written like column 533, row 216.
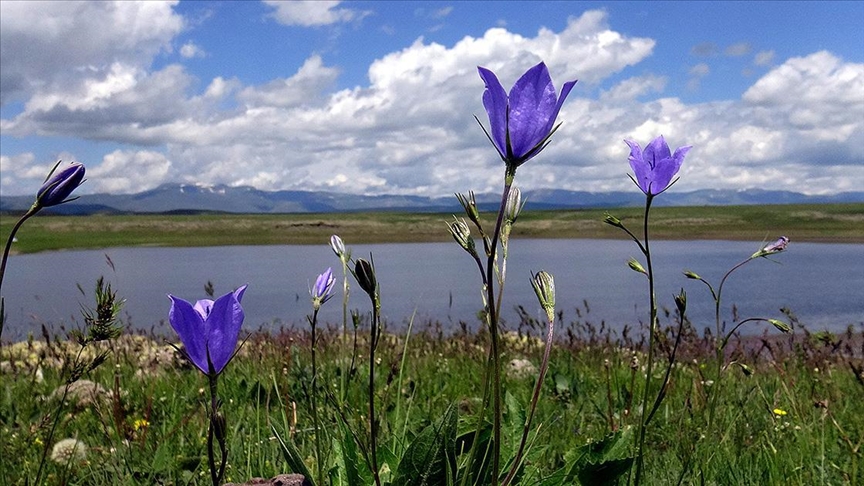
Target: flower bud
column 469, row 204
column 219, row 427
column 780, row 325
column 513, row 206
column 337, row 245
column 681, row 302
column 636, row 266
column 776, row 247
column 321, row 292
column 544, row 287
column 462, row 234
column 60, row 184
column 692, row 275
column 364, row 272
column 613, row 221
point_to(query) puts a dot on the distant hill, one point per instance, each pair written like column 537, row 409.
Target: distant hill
column 186, row 198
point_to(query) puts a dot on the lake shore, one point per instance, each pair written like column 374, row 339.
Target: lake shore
column 823, row 223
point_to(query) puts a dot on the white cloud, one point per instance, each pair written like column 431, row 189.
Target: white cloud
column 312, row 13
column 126, row 171
column 190, row 50
column 47, row 43
column 410, row 129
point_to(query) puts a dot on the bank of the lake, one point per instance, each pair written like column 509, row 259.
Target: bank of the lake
column 829, row 223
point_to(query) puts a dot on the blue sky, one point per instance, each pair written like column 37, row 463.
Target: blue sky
column 379, row 97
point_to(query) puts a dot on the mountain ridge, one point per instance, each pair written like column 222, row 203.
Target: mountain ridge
column 190, row 198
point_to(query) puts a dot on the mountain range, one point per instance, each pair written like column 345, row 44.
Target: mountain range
column 187, row 198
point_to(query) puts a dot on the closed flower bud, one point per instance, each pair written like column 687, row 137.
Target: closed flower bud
column 337, row 245
column 219, row 427
column 613, row 221
column 692, row 275
column 681, row 302
column 514, row 205
column 59, row 185
column 322, row 291
column 780, row 325
column 636, row 266
column 469, row 204
column 364, row 272
column 544, row 287
column 776, row 247
column 462, row 234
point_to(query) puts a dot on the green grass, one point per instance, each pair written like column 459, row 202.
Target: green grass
column 587, row 394
column 824, row 223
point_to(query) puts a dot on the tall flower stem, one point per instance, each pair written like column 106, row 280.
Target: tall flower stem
column 313, row 399
column 33, row 210
column 652, row 328
column 495, row 363
column 217, row 429
column 373, row 423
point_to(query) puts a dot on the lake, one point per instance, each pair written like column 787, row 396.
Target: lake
column 821, row 283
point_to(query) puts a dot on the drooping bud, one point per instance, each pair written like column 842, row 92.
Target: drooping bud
column 636, row 266
column 776, row 247
column 692, row 275
column 364, row 272
column 613, row 221
column 780, row 325
column 59, row 185
column 544, row 287
column 462, row 234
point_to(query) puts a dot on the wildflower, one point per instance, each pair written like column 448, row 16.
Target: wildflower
column 780, row 325
column 321, row 292
column 514, row 205
column 636, row 266
column 776, row 247
column 208, row 330
column 522, row 123
column 656, row 166
column 68, row 450
column 140, row 424
column 59, row 185
column 779, row 412
column 462, row 234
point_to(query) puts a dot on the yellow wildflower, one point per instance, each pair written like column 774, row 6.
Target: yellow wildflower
column 779, row 412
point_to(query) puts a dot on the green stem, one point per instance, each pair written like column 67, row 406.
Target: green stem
column 313, row 398
column 646, row 250
column 373, row 424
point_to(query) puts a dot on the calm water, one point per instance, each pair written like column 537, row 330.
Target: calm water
column 821, row 283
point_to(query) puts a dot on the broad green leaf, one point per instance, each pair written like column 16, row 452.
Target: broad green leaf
column 431, row 456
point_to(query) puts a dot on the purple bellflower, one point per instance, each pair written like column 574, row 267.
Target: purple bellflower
column 522, row 123
column 60, row 184
column 322, row 291
column 656, row 165
column 208, row 330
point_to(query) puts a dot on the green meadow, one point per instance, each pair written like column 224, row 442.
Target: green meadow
column 822, row 223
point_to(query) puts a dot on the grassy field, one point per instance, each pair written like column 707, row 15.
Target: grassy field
column 794, row 418
column 822, row 223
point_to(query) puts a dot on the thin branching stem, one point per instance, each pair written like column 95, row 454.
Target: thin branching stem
column 646, row 250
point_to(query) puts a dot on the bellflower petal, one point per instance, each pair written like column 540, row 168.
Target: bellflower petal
column 655, row 167
column 189, row 325
column 223, row 328
column 208, row 329
column 522, row 122
column 495, row 102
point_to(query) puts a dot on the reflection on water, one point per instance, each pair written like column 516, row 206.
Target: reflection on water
column 821, row 283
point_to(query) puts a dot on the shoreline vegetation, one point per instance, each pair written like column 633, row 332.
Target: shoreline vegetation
column 824, row 223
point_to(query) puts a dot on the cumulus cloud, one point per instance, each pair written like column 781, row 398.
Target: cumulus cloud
column 312, row 13
column 410, row 129
column 46, row 43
